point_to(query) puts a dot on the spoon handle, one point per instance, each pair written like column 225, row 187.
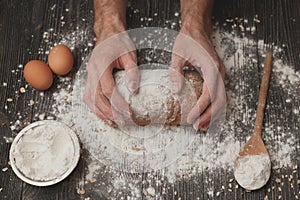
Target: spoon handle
column 263, row 94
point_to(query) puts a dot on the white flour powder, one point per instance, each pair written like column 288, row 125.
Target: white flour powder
column 44, row 152
column 253, row 171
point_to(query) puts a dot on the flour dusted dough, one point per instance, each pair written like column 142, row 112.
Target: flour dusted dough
column 155, row 102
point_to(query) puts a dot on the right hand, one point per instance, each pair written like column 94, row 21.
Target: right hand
column 193, row 47
column 114, row 49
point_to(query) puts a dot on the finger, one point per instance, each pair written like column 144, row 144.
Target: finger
column 129, row 63
column 200, row 106
column 98, row 104
column 102, row 116
column 202, row 127
column 103, row 104
column 213, row 112
column 97, row 111
column 203, row 120
column 205, row 127
column 90, row 95
column 109, row 90
column 176, row 73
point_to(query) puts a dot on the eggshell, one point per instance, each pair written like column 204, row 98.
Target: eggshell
column 60, row 59
column 38, row 75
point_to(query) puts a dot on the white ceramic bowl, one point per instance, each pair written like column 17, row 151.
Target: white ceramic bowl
column 69, row 167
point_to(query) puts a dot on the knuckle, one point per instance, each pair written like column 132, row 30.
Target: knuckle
column 107, row 92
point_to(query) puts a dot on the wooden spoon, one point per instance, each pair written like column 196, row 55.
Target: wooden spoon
column 253, row 165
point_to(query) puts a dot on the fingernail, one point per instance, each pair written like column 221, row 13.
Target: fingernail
column 129, row 113
column 203, row 129
column 132, row 86
column 195, row 127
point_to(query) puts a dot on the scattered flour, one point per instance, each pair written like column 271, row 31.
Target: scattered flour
column 211, row 151
column 253, row 171
column 207, row 151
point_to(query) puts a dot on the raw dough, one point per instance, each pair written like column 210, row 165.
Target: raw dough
column 155, row 102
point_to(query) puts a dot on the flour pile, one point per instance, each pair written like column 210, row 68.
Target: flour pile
column 253, row 171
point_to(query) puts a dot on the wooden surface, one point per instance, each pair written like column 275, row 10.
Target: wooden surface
column 22, row 25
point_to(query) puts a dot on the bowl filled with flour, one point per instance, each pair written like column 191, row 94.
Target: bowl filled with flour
column 44, row 153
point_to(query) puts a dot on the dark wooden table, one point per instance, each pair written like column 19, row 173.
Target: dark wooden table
column 22, row 25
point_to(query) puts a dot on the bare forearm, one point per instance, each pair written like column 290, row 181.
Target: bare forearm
column 197, row 13
column 109, row 15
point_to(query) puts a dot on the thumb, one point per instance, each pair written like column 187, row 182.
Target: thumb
column 176, row 73
column 128, row 61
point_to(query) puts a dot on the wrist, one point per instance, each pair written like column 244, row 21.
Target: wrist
column 107, row 27
column 110, row 18
column 196, row 23
column 196, row 15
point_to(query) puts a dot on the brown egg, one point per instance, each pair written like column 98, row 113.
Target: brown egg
column 38, row 75
column 60, row 59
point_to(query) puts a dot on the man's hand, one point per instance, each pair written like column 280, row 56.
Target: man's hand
column 193, row 47
column 114, row 49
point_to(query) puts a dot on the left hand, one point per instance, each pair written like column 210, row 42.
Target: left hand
column 193, row 47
